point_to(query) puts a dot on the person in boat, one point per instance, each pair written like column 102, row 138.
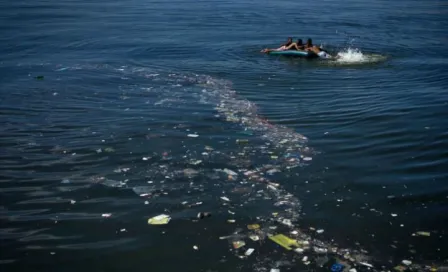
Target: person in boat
column 297, row 46
column 282, row 47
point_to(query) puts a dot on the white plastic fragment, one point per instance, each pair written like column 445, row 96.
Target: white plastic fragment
column 249, row 251
column 320, row 231
column 307, row 158
column 254, row 237
column 394, row 215
column 299, row 250
column 352, row 270
column 406, row 262
column 366, row 264
column 305, row 258
column 225, row 198
column 320, row 250
column 286, row 222
column 72, row 201
column 193, row 135
column 106, row 215
column 195, row 247
column 229, row 172
column 145, row 158
column 275, row 270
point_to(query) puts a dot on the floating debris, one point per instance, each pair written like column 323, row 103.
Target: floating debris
column 253, row 226
column 422, row 233
column 193, row 135
column 406, row 262
column 238, row 244
column 225, row 198
column 202, row 215
column 162, row 219
column 284, row 241
column 106, row 215
column 254, row 237
column 320, row 231
column 195, row 247
column 249, row 251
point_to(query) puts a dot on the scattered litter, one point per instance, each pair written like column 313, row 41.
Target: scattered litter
column 196, row 162
column 202, row 215
column 225, row 198
column 254, row 237
column 122, row 230
column 284, row 241
column 299, row 250
column 229, row 211
column 320, row 231
column 286, row 222
column 352, row 270
column 275, row 270
column 422, row 233
column 394, row 215
column 162, row 219
column 231, row 221
column 366, row 264
column 238, row 244
column 272, row 171
column 320, row 250
column 337, row 267
column 230, row 172
column 249, row 251
column 145, row 158
column 307, row 158
column 195, row 247
column 146, row 202
column 406, row 262
column 253, row 226
column 193, row 135
column 72, row 201
column 106, row 215
column 305, row 258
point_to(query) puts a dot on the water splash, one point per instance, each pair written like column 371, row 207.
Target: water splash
column 351, row 55
column 356, row 56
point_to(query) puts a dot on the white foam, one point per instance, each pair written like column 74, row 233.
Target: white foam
column 351, row 55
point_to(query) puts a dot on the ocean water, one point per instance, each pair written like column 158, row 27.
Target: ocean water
column 114, row 112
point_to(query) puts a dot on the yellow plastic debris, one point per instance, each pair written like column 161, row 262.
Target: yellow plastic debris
column 162, row 219
column 253, row 226
column 284, row 241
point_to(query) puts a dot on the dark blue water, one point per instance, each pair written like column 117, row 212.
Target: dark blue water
column 98, row 101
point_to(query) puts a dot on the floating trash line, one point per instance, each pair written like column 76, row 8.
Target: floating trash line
column 283, row 149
